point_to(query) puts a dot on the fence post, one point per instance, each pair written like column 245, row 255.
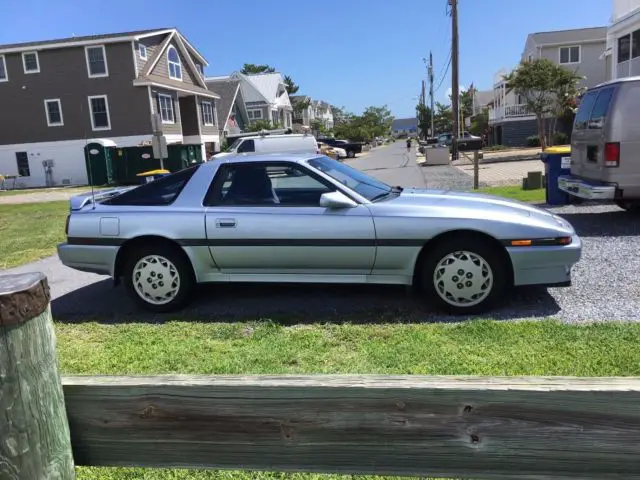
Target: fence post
column 34, row 431
column 476, row 169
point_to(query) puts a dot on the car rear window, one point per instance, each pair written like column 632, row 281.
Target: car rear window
column 600, row 108
column 160, row 192
column 584, row 110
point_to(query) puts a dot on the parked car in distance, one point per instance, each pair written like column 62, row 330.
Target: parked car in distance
column 333, row 152
column 302, row 143
column 352, row 148
column 445, row 138
column 307, row 218
column 605, row 145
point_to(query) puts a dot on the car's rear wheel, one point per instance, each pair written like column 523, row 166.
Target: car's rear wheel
column 159, row 278
column 351, row 154
column 464, row 276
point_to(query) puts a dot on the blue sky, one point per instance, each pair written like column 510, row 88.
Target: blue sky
column 351, row 53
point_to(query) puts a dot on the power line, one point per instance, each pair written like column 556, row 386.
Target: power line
column 444, row 74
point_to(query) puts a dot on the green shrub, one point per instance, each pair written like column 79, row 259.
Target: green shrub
column 533, row 141
column 560, row 138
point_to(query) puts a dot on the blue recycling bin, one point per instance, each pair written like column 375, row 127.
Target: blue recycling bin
column 557, row 162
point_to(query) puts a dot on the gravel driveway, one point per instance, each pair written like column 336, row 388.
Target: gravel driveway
column 605, row 281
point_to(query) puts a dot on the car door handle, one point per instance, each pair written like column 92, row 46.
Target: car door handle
column 226, row 223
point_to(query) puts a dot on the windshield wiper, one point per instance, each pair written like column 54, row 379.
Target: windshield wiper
column 397, row 189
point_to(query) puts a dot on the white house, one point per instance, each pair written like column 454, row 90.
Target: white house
column 266, row 98
column 623, row 40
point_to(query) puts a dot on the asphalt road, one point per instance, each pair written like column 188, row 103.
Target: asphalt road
column 606, row 285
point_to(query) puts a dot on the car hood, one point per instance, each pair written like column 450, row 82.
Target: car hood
column 453, row 204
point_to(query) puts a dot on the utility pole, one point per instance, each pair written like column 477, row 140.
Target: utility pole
column 433, row 133
column 423, row 101
column 455, row 82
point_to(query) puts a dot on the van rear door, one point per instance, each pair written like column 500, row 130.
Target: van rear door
column 588, row 142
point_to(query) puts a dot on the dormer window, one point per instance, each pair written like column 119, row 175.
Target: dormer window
column 142, row 51
column 30, row 62
column 175, row 67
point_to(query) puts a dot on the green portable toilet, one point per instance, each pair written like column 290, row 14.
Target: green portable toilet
column 99, row 163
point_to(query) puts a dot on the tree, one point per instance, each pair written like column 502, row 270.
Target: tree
column 291, row 87
column 257, row 125
column 252, row 68
column 423, row 114
column 443, row 118
column 374, row 122
column 543, row 85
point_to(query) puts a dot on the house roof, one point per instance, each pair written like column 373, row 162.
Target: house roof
column 266, row 84
column 100, row 38
column 178, row 86
column 227, row 89
column 404, row 123
column 483, row 97
column 578, row 35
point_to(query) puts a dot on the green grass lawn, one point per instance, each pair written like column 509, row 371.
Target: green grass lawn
column 30, row 231
column 517, row 193
column 27, row 191
column 264, row 347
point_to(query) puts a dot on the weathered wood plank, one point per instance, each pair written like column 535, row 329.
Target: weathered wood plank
column 439, row 426
column 34, row 433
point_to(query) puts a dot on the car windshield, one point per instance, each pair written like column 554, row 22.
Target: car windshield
column 368, row 187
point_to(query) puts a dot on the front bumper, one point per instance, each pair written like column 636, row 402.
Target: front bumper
column 583, row 189
column 89, row 258
column 545, row 265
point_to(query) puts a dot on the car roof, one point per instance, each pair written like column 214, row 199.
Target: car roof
column 268, row 157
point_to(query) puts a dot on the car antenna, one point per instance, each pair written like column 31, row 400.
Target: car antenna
column 86, row 142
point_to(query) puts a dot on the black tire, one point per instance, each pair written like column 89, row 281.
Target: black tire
column 351, row 154
column 629, row 206
column 183, row 269
column 479, row 247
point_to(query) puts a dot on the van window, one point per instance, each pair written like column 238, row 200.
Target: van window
column 584, row 110
column 600, row 108
column 247, row 146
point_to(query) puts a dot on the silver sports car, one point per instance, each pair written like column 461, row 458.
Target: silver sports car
column 308, row 218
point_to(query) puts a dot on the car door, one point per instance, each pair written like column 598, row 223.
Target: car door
column 266, row 218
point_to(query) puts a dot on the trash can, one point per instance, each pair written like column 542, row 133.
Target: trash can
column 557, row 162
column 152, row 175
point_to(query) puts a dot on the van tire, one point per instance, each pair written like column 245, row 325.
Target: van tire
column 629, row 206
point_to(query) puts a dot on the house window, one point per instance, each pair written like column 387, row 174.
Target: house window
column 96, row 61
column 254, row 114
column 569, row 55
column 530, row 58
column 3, row 69
column 53, row 110
column 175, row 67
column 142, row 50
column 207, row 113
column 635, row 44
column 624, row 48
column 23, row 164
column 30, row 62
column 200, row 68
column 99, row 107
column 165, row 103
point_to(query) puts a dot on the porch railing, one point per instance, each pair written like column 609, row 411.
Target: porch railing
column 509, row 111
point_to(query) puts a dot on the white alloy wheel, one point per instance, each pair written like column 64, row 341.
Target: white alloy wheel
column 463, row 279
column 156, row 280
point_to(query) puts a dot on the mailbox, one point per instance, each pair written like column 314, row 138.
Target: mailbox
column 469, row 144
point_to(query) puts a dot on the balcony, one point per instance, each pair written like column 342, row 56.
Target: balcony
column 508, row 112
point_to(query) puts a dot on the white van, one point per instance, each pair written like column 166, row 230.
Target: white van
column 302, row 143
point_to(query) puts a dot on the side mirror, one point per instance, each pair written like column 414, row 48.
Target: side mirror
column 336, row 200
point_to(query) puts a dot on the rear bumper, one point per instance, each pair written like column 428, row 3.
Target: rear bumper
column 583, row 189
column 88, row 258
column 545, row 265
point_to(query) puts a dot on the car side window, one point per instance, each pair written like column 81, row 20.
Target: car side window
column 265, row 184
column 163, row 191
column 247, row 146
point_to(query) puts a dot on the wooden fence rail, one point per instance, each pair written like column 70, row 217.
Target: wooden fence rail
column 437, row 426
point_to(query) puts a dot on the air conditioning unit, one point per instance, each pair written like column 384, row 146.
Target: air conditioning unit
column 48, row 163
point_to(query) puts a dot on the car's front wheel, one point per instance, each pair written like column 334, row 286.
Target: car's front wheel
column 464, row 276
column 159, row 278
column 351, row 154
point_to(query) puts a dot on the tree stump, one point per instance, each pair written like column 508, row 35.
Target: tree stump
column 34, row 431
